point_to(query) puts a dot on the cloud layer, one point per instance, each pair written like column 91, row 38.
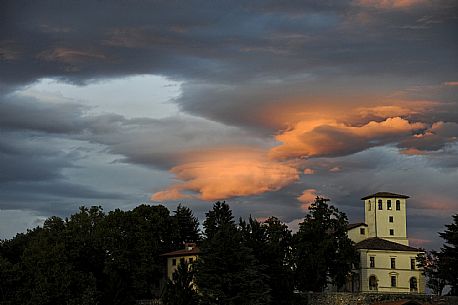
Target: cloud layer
column 273, row 98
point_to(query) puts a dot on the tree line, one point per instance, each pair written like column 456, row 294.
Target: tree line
column 94, row 257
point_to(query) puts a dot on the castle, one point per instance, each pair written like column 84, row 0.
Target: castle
column 386, row 261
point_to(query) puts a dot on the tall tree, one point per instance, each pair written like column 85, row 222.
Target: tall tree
column 323, row 252
column 187, row 224
column 227, row 271
column 448, row 256
column 180, row 289
column 430, row 264
column 270, row 242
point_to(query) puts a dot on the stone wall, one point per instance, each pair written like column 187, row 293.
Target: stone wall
column 370, row 298
column 342, row 298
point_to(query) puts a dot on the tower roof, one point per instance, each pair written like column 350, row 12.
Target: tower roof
column 385, row 195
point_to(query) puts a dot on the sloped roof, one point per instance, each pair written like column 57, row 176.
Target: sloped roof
column 355, row 225
column 183, row 252
column 376, row 243
column 385, row 194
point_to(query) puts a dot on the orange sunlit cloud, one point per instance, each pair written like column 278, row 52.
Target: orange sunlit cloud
column 307, row 198
column 330, row 138
column 217, row 175
column 308, row 171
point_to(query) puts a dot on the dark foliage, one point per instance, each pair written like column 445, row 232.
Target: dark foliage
column 430, row 263
column 227, row 271
column 448, row 256
column 270, row 242
column 90, row 258
column 180, row 289
column 323, row 252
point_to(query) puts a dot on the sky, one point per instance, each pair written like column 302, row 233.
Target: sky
column 264, row 104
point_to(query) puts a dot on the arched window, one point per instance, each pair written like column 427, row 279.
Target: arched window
column 388, row 204
column 373, row 283
column 380, row 204
column 398, row 205
column 413, row 284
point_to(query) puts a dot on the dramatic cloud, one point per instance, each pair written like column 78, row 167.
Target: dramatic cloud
column 257, row 102
column 224, row 174
column 329, row 138
column 307, row 197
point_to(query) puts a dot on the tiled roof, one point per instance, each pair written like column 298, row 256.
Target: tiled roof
column 183, row 252
column 385, row 194
column 376, row 243
column 355, row 225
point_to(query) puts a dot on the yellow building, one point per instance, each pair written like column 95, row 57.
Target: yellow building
column 387, row 262
column 188, row 254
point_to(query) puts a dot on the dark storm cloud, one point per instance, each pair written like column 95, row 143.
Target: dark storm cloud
column 79, row 40
column 239, row 64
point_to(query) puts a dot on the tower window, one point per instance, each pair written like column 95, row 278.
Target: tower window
column 174, row 262
column 393, row 281
column 388, row 204
column 390, row 218
column 398, row 205
column 362, row 231
column 412, row 263
column 369, row 205
column 393, row 263
column 372, row 262
column 380, row 204
column 391, row 231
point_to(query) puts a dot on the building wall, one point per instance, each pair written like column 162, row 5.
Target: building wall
column 383, row 271
column 355, row 234
column 378, row 220
column 171, row 268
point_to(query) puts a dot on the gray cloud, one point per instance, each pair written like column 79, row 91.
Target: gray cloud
column 235, row 60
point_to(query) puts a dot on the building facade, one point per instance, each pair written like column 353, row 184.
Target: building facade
column 186, row 255
column 386, row 261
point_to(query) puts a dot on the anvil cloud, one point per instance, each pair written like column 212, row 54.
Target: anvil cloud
column 262, row 103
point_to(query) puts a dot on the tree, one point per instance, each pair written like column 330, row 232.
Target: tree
column 430, row 264
column 448, row 256
column 180, row 289
column 323, row 252
column 270, row 242
column 187, row 224
column 227, row 271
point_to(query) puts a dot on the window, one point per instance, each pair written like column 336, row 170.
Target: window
column 412, row 263
column 362, row 231
column 393, row 263
column 174, row 262
column 372, row 283
column 391, row 231
column 398, row 205
column 369, row 205
column 413, row 284
column 388, row 204
column 182, row 260
column 191, row 259
column 372, row 262
column 393, row 281
column 390, row 218
column 380, row 207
